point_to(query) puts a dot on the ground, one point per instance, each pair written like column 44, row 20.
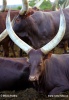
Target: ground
column 30, row 94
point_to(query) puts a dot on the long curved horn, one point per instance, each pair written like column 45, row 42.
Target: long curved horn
column 4, row 5
column 38, row 3
column 24, row 46
column 25, row 7
column 55, row 41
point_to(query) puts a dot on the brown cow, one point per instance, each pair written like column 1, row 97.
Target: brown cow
column 5, row 42
column 49, row 71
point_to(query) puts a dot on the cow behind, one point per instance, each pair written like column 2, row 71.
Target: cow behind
column 40, row 27
column 7, row 40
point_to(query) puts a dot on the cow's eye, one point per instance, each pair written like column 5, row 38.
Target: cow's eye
column 18, row 21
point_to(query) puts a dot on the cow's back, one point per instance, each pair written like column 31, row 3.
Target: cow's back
column 56, row 20
column 48, row 23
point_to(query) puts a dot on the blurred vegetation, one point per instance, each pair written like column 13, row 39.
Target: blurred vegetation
column 61, row 1
column 32, row 3
column 19, row 7
column 46, row 5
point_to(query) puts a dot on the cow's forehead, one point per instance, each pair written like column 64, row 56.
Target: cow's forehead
column 35, row 55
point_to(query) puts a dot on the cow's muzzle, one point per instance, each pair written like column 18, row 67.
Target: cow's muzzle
column 33, row 78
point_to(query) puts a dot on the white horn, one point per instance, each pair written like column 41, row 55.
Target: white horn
column 55, row 41
column 38, row 3
column 25, row 7
column 3, row 35
column 24, row 46
column 4, row 5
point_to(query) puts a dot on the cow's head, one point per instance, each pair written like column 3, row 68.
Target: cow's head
column 22, row 21
column 36, row 61
column 36, row 57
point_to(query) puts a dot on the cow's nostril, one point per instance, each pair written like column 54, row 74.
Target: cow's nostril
column 32, row 78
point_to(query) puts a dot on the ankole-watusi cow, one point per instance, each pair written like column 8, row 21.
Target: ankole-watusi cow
column 40, row 27
column 14, row 73
column 6, row 41
column 49, row 71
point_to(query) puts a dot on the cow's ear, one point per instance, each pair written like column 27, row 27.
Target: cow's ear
column 30, row 12
column 47, row 56
column 26, row 15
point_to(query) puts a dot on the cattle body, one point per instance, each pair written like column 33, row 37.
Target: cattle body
column 14, row 73
column 50, row 73
column 40, row 27
column 7, row 40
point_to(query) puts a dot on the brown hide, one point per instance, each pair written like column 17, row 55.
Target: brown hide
column 7, row 40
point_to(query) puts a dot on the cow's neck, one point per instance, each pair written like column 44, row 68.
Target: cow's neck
column 37, row 36
column 43, row 80
column 40, row 85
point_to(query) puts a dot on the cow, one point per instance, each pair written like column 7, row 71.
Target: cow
column 40, row 27
column 49, row 71
column 5, row 42
column 14, row 73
